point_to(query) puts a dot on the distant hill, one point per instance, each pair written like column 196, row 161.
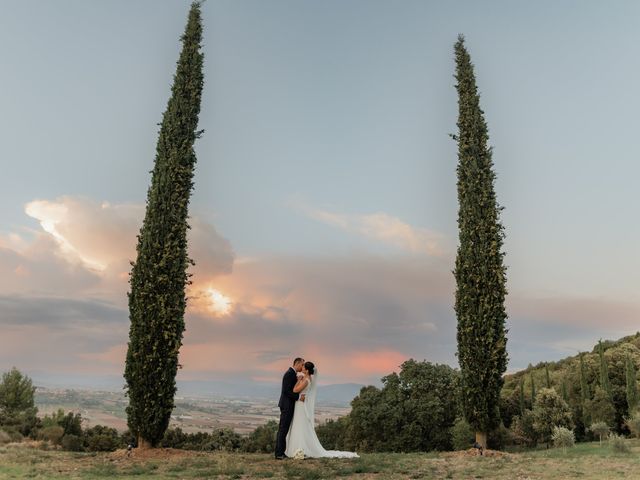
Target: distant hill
column 568, row 368
column 564, row 377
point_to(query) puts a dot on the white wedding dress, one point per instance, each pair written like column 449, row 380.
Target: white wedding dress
column 302, row 433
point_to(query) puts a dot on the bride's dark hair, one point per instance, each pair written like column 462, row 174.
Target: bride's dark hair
column 311, row 368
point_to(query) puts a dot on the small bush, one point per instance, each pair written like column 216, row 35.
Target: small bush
column 263, row 438
column 101, row 439
column 462, row 435
column 633, row 424
column 619, row 444
column 51, row 434
column 14, row 434
column 563, row 437
column 4, row 437
column 174, row 438
column 72, row 443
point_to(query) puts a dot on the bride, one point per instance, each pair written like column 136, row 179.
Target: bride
column 302, row 434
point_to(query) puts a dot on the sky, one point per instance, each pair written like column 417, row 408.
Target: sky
column 324, row 209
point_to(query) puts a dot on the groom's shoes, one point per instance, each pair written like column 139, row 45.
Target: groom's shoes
column 281, row 457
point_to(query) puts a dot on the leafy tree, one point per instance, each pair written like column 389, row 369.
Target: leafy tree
column 414, row 410
column 480, row 272
column 17, row 408
column 550, row 411
column 159, row 276
column 563, row 437
column 72, row 424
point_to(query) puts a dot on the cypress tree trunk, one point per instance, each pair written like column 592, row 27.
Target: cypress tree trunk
column 633, row 399
column 159, row 276
column 479, row 271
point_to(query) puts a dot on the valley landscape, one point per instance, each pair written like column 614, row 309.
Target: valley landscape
column 193, row 413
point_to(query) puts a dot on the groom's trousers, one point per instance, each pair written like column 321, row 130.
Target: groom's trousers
column 286, row 415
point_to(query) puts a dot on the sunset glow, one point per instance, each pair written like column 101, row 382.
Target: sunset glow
column 219, row 304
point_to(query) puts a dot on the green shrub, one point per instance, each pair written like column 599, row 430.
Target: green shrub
column 174, row 438
column 563, row 437
column 14, row 434
column 101, row 439
column 51, row 434
column 334, row 434
column 263, row 438
column 72, row 443
column 619, row 444
column 462, row 435
column 4, row 437
column 633, row 424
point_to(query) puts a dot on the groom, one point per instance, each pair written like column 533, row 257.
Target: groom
column 287, row 403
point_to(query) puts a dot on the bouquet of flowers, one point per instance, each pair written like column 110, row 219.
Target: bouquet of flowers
column 299, row 454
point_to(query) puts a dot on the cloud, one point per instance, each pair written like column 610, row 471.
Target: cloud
column 357, row 316
column 84, row 247
column 383, row 228
column 101, row 234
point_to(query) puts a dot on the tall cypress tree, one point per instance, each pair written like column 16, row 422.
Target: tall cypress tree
column 522, row 404
column 604, row 372
column 546, row 375
column 585, row 393
column 584, row 386
column 480, row 273
column 159, row 275
column 565, row 393
column 633, row 399
column 533, row 391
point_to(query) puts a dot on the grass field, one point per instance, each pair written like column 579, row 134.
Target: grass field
column 585, row 461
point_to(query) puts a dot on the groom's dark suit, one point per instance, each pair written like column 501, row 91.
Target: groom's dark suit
column 287, row 403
